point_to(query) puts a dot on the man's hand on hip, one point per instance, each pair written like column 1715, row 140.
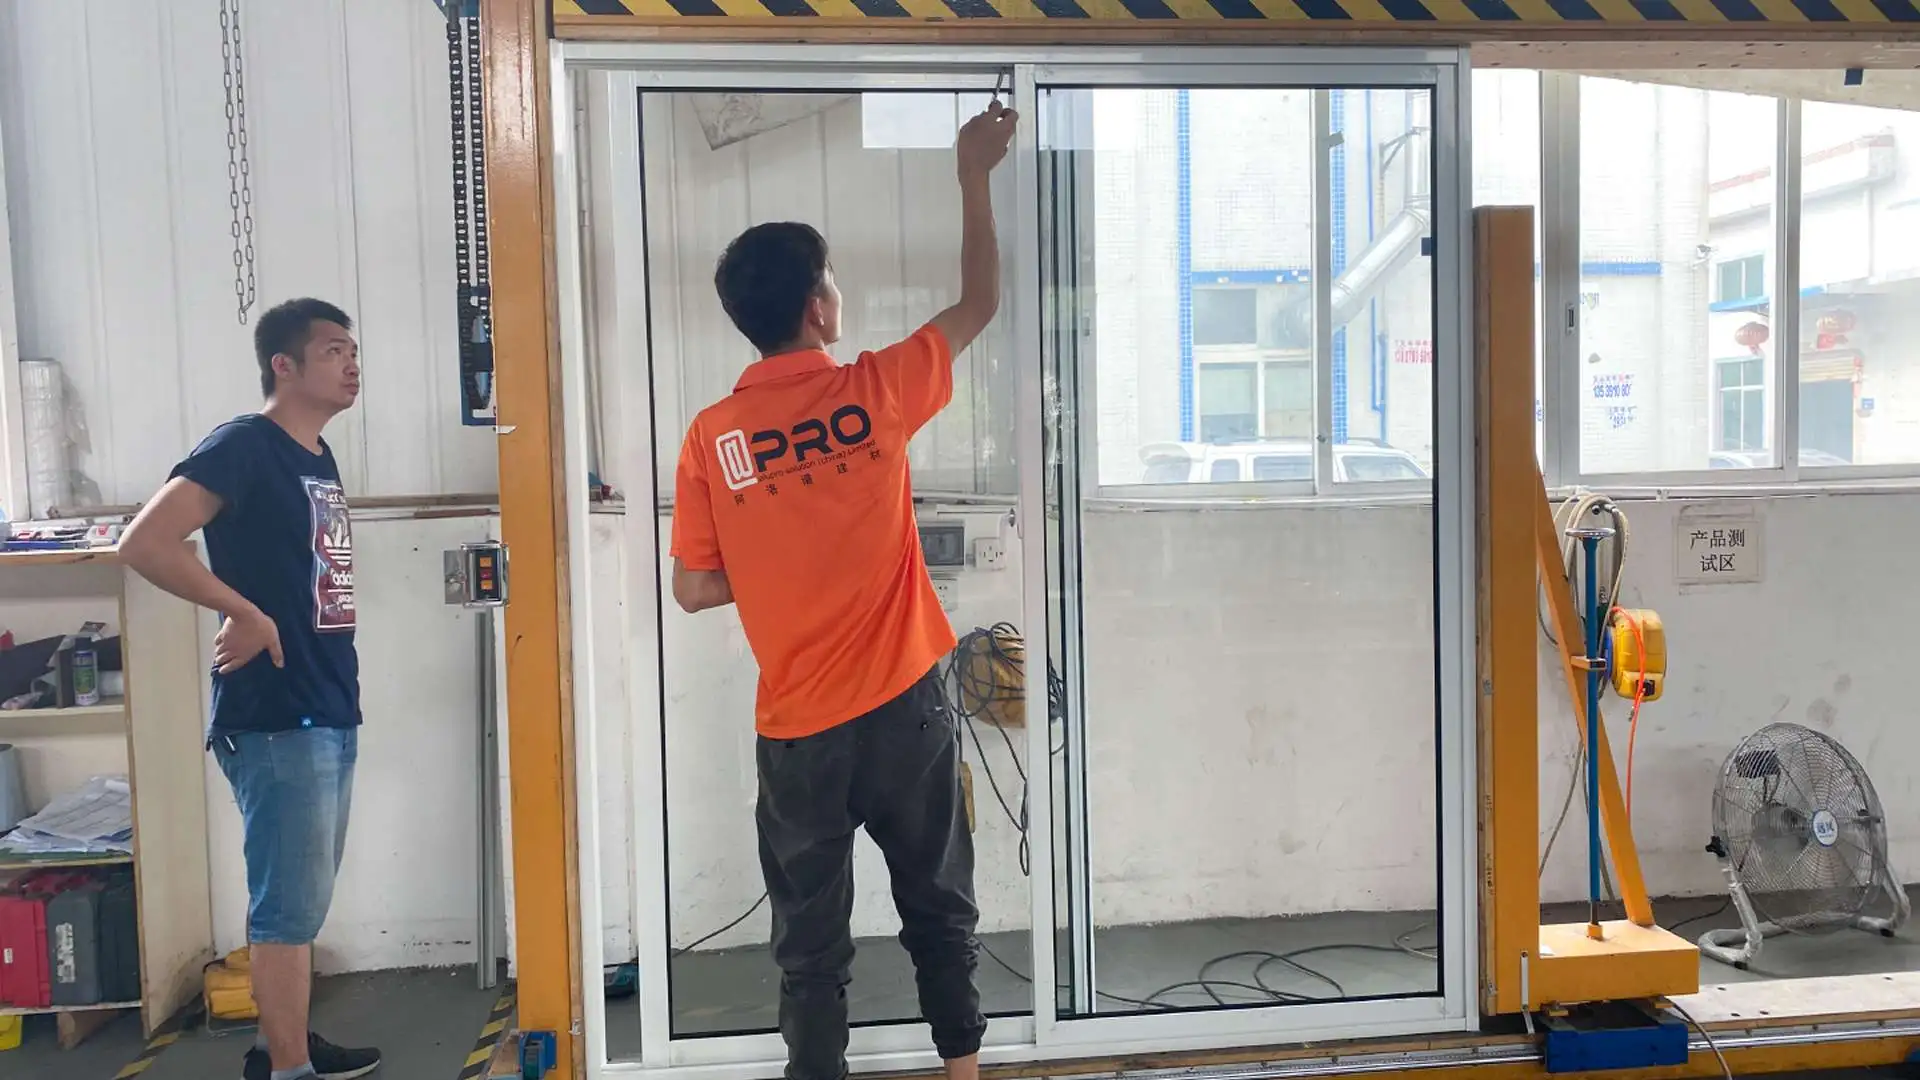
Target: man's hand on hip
column 243, row 637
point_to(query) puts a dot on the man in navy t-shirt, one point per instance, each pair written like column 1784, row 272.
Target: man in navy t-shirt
column 265, row 491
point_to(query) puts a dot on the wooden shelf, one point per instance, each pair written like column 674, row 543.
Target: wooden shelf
column 12, row 861
column 163, row 758
column 107, row 707
column 56, row 1010
column 105, row 556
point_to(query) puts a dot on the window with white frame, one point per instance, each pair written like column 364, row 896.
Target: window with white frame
column 1741, row 280
column 1684, row 368
column 1858, row 336
column 1216, row 350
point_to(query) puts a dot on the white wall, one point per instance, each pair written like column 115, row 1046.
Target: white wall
column 117, row 199
column 1260, row 712
column 407, row 888
column 119, row 202
column 1819, row 642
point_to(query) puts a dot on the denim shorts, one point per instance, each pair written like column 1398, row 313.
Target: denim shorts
column 294, row 789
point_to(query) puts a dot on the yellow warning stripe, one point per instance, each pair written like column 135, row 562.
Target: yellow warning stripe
column 498, row 1019
column 168, row 1034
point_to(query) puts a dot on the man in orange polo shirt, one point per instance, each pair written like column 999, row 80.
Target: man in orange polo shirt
column 793, row 502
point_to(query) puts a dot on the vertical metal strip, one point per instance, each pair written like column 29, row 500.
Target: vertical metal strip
column 1786, row 291
column 1065, row 218
column 486, row 790
column 1031, row 527
column 1337, row 253
column 1321, row 280
column 1560, row 275
column 1183, row 258
column 627, row 141
column 1456, row 552
column 572, row 439
column 1080, row 344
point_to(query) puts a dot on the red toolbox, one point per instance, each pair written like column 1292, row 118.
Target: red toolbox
column 25, row 981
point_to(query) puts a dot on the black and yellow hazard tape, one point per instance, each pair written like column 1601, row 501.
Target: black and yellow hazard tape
column 1610, row 13
column 495, row 1029
column 164, row 1036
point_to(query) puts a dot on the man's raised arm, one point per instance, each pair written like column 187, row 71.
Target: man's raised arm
column 981, row 145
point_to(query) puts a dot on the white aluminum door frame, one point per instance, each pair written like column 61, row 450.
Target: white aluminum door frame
column 1042, row 1035
column 1448, row 77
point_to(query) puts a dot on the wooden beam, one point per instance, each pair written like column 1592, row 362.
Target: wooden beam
column 533, row 523
column 1509, row 735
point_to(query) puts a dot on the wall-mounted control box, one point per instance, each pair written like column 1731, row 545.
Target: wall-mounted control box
column 944, row 544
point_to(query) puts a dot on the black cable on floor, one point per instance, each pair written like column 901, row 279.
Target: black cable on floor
column 1703, row 916
column 744, row 916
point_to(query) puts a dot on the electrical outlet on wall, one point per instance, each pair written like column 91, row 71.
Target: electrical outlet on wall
column 948, row 590
column 989, row 553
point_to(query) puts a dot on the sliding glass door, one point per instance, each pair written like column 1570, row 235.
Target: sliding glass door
column 1251, row 365
column 1198, row 512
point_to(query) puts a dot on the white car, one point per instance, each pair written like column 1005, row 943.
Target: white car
column 1274, row 459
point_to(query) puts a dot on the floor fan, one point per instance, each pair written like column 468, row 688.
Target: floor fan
column 1802, row 841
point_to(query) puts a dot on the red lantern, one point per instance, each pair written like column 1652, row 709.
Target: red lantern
column 1751, row 336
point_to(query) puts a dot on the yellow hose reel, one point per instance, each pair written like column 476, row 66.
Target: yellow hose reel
column 1639, row 666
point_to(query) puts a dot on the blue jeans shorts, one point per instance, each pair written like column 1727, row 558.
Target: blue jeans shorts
column 294, row 789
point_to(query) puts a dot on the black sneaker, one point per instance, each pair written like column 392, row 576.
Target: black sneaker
column 258, row 1066
column 332, row 1062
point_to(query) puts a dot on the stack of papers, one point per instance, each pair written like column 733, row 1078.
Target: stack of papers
column 96, row 819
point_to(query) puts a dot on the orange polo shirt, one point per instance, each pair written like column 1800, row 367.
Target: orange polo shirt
column 797, row 486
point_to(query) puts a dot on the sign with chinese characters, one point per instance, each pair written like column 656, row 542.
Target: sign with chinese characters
column 1718, row 548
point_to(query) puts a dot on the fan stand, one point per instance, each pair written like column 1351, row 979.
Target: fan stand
column 1740, row 946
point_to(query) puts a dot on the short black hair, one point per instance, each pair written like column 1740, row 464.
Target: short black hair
column 765, row 278
column 285, row 328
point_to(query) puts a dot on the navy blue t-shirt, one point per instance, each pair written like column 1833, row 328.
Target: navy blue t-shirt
column 283, row 541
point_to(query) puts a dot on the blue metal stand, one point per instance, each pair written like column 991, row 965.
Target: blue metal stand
column 539, row 1052
column 1596, row 663
column 1614, row 1035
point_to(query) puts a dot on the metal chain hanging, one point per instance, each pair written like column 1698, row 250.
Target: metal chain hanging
column 239, row 168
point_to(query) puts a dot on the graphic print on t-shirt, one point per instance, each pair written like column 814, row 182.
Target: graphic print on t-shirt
column 806, row 449
column 332, row 555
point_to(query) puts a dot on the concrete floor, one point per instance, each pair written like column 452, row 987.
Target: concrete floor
column 736, row 990
column 427, row 1021
column 424, row 1022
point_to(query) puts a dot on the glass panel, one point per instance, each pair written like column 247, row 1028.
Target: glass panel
column 1232, row 682
column 1676, row 233
column 1288, row 403
column 1229, row 403
column 1225, row 316
column 734, row 159
column 1859, row 285
column 874, row 173
column 1199, row 251
column 1506, row 172
column 1381, row 214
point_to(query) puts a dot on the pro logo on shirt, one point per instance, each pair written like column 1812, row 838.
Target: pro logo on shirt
column 797, row 485
column 742, row 460
column 332, row 555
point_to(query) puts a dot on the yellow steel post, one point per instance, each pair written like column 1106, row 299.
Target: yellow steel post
column 533, row 523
